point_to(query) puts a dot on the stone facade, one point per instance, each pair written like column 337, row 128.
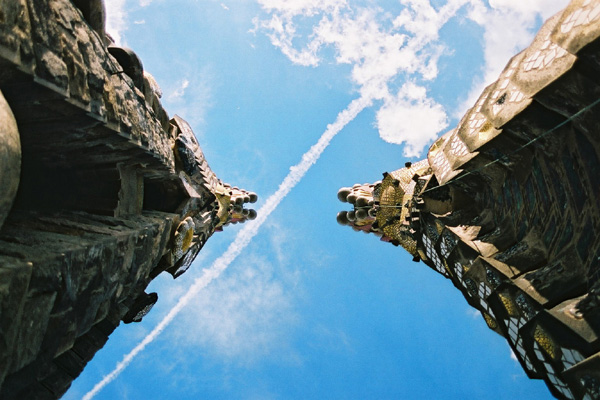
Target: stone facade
column 101, row 192
column 506, row 204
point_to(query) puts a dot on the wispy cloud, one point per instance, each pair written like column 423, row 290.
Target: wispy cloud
column 178, row 92
column 242, row 316
column 330, row 339
column 244, row 236
column 189, row 96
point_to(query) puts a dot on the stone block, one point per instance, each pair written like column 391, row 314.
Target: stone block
column 70, row 363
column 32, row 329
column 14, row 280
column 57, row 382
column 543, row 61
column 27, row 390
column 574, row 93
column 532, row 123
column 475, row 129
column 578, row 191
column 526, row 255
column 131, row 194
column 588, row 152
column 456, row 151
column 503, row 100
column 86, row 348
column 556, row 282
column 51, row 70
column 578, row 25
column 502, row 151
column 15, row 35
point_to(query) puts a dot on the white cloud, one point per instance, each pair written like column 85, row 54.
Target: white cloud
column 280, row 241
column 178, row 92
column 292, row 8
column 474, row 313
column 387, row 50
column 191, row 96
column 410, row 117
column 509, row 26
column 145, row 3
column 384, row 51
column 224, row 6
column 116, row 19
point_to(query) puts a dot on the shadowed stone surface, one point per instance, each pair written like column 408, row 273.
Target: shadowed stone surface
column 111, row 193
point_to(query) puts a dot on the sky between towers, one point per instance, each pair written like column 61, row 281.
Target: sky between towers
column 393, row 55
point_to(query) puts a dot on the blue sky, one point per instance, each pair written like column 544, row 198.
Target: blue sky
column 311, row 309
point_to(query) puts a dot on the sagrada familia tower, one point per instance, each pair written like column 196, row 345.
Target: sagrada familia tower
column 506, row 205
column 100, row 191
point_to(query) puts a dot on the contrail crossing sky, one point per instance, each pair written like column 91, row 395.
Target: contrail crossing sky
column 244, row 236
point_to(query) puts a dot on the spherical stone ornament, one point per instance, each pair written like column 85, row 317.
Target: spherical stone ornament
column 10, row 158
column 253, row 197
column 343, row 194
column 342, row 218
column 361, row 214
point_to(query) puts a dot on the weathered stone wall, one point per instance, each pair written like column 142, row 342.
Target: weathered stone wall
column 49, row 42
column 506, row 206
column 111, row 193
column 67, row 272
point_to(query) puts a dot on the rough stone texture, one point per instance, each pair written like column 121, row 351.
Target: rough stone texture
column 506, row 205
column 14, row 278
column 111, row 193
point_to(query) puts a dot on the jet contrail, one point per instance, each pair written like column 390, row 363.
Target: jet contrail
column 243, row 237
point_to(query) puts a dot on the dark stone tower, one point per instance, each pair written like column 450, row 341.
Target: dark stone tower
column 100, row 191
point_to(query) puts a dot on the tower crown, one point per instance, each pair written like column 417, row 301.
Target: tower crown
column 384, row 207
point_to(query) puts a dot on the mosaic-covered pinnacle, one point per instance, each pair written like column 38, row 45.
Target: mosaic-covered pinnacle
column 382, row 208
column 506, row 205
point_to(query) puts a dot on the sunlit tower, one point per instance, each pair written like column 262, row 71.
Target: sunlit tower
column 506, row 205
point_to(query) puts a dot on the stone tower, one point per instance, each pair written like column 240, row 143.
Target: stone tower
column 100, row 192
column 506, row 204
